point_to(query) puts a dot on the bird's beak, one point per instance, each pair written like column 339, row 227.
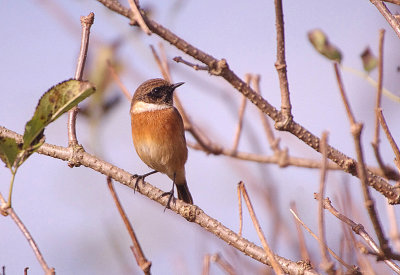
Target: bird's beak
column 176, row 85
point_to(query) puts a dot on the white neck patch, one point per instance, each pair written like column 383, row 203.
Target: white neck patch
column 140, row 107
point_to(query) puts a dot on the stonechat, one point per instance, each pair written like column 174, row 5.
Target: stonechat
column 158, row 134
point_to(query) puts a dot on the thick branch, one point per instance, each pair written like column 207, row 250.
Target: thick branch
column 192, row 213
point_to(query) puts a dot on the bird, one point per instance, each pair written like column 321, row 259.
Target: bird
column 158, row 134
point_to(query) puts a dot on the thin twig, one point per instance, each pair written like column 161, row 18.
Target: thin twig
column 241, row 115
column 240, row 211
column 116, row 78
column 228, row 268
column 86, row 22
column 141, row 260
column 206, row 264
column 273, row 142
column 303, row 247
column 393, row 227
column 376, row 141
column 319, row 241
column 327, row 264
column 10, row 211
column 275, row 265
column 359, row 230
column 137, row 17
column 280, row 65
column 356, row 129
column 390, row 138
column 179, row 59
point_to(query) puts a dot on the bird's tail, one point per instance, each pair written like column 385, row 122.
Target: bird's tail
column 183, row 192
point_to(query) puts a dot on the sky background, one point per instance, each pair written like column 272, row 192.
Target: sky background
column 70, row 212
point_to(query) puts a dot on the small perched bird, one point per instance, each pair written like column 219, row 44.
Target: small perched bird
column 158, row 134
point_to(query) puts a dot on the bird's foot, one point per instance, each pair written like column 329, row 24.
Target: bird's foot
column 140, row 178
column 170, row 195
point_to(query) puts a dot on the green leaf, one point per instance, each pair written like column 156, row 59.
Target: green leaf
column 9, row 151
column 369, row 60
column 56, row 101
column 321, row 43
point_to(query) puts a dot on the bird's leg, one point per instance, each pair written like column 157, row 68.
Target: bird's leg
column 141, row 177
column 170, row 193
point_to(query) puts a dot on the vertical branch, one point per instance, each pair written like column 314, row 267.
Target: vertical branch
column 242, row 108
column 280, row 65
column 274, row 263
column 206, row 265
column 393, row 228
column 356, row 129
column 240, row 211
column 141, row 260
column 273, row 142
column 326, row 261
column 376, row 141
column 86, row 22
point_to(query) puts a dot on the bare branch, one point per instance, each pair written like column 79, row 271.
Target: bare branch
column 221, row 68
column 191, row 213
column 141, row 260
column 116, row 78
column 390, row 18
column 280, row 65
column 356, row 129
column 137, row 17
column 303, row 247
column 359, row 230
column 327, row 264
column 10, row 211
column 389, row 136
column 275, row 265
column 241, row 115
column 350, row 267
column 86, row 22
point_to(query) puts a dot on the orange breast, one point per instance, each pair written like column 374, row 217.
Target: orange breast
column 159, row 140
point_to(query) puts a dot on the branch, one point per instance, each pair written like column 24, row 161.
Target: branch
column 280, row 65
column 277, row 268
column 221, row 68
column 86, row 22
column 359, row 230
column 327, row 264
column 141, row 260
column 356, row 129
column 393, row 22
column 10, row 211
column 191, row 213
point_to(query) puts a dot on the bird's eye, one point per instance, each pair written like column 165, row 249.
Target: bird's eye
column 155, row 92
